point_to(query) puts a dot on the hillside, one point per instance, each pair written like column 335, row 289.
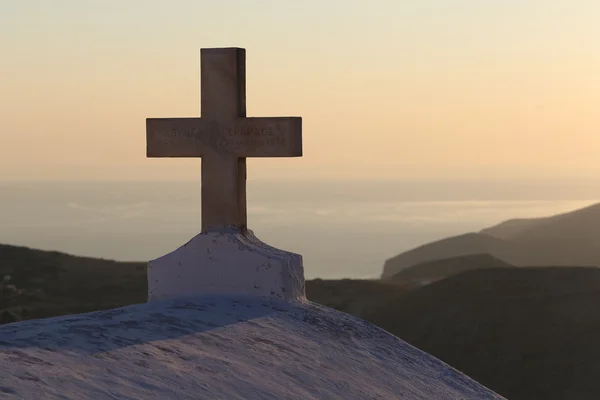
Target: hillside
column 566, row 239
column 42, row 283
column 436, row 270
column 354, row 296
column 526, row 333
column 458, row 246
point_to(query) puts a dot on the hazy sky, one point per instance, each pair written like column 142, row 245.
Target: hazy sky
column 390, row 89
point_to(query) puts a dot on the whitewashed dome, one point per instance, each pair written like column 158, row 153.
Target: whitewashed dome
column 219, row 347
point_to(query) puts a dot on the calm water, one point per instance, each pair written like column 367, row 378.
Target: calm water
column 341, row 229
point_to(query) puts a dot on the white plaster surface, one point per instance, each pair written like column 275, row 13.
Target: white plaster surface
column 219, row 347
column 227, row 262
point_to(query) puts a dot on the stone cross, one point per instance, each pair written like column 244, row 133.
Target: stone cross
column 223, row 137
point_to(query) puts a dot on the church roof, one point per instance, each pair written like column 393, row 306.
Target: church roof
column 215, row 347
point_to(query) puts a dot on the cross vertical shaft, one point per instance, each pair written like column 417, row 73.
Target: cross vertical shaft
column 223, row 98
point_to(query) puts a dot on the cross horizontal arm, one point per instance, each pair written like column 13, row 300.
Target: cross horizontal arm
column 241, row 137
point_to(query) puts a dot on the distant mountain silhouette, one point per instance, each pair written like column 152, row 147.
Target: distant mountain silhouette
column 436, row 270
column 526, row 333
column 508, row 229
column 458, row 246
column 567, row 239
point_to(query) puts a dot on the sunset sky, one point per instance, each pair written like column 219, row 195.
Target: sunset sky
column 428, row 89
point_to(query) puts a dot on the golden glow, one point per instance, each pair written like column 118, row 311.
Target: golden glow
column 450, row 89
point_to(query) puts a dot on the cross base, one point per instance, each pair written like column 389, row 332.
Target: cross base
column 227, row 261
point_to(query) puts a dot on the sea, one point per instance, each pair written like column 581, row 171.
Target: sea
column 343, row 229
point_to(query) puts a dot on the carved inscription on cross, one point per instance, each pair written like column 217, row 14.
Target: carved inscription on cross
column 223, row 137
